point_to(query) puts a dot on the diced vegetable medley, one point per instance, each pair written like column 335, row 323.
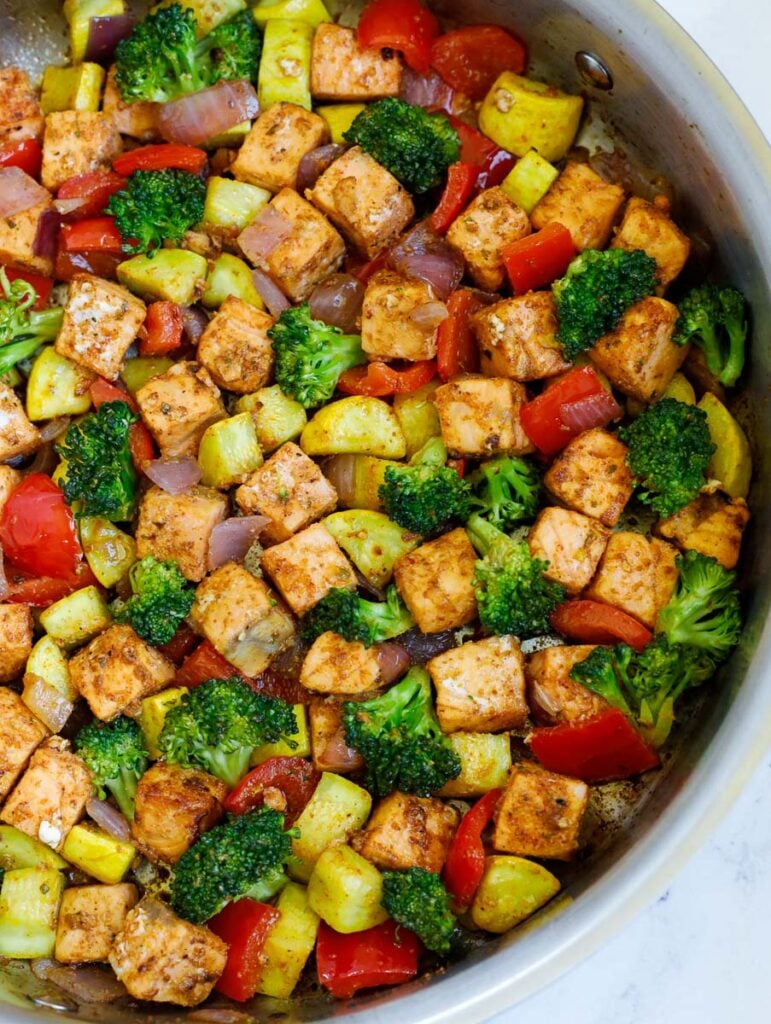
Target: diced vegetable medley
column 369, row 493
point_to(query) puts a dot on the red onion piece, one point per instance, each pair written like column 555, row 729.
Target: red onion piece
column 230, row 540
column 54, row 428
column 109, row 819
column 337, row 756
column 266, row 232
column 424, row 255
column 313, row 164
column 423, row 646
column 593, row 411
column 203, row 115
column 338, row 301
column 47, row 234
column 393, row 661
column 18, row 191
column 175, row 476
column 429, row 314
column 46, row 702
column 194, row 323
column 87, row 983
column 104, row 34
column 429, row 91
column 339, row 470
column 270, row 293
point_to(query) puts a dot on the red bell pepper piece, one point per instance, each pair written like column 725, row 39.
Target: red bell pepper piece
column 160, row 158
column 364, row 271
column 162, row 329
column 461, row 182
column 181, row 644
column 27, row 155
column 383, row 955
column 37, row 529
column 590, row 622
column 244, row 925
column 205, row 663
column 404, row 25
column 94, row 189
column 456, row 347
column 538, row 259
column 493, row 162
column 294, row 776
column 574, row 403
column 465, row 862
column 599, row 749
column 378, row 379
column 40, row 591
column 470, row 59
column 101, row 264
column 459, row 465
column 102, row 391
column 97, row 234
column 42, row 285
column 141, row 445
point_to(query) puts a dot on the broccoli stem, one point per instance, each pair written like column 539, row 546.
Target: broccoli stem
column 483, row 534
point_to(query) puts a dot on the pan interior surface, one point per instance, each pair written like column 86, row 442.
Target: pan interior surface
column 676, row 115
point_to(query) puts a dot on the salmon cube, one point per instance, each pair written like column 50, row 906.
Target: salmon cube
column 639, row 356
column 17, row 435
column 18, row 232
column 590, row 475
column 16, row 627
column 636, row 574
column 178, row 406
column 518, row 338
column 540, row 814
column 271, row 153
column 343, row 70
column 584, row 203
column 408, row 831
column 9, row 480
column 76, row 142
column 571, row 543
column 240, row 616
column 389, row 329
column 101, row 321
column 290, row 490
column 178, row 527
column 489, row 223
column 90, row 916
column 330, row 751
column 363, row 200
column 20, row 114
column 711, row 524
column 235, row 347
column 649, row 227
column 436, row 582
column 479, row 417
column 138, row 120
column 480, row 687
column 117, row 670
column 21, row 733
column 554, row 697
column 307, row 566
column 338, row 666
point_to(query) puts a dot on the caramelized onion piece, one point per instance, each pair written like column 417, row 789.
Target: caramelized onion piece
column 203, row 115
column 230, row 540
column 175, row 476
column 270, row 293
column 109, row 818
column 393, row 661
column 313, row 164
column 338, row 301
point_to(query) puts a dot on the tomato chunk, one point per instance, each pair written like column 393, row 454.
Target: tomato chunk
column 37, row 529
column 470, row 59
column 403, row 25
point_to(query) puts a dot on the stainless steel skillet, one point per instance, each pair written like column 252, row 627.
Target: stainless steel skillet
column 678, row 115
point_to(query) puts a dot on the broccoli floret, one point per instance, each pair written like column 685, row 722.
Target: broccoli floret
column 157, row 206
column 115, row 753
column 217, row 725
column 426, row 495
column 646, row 684
column 669, row 451
column 417, row 899
column 161, row 599
column 715, row 320
column 22, row 329
column 506, row 491
column 416, row 147
column 512, row 593
column 704, row 610
column 596, row 291
column 399, row 738
column 311, row 355
column 345, row 613
column 162, row 58
column 100, row 471
column 243, row 856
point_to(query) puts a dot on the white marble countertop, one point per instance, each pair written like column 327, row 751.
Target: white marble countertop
column 699, row 955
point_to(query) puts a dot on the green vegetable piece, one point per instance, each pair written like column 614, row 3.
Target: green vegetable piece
column 337, row 809
column 417, row 899
column 345, row 890
column 220, row 723
column 242, row 857
column 170, row 274
column 285, row 68
column 157, row 207
column 138, row 371
column 22, row 329
column 415, row 146
column 230, row 276
column 704, row 610
column 426, row 495
column 596, row 291
column 715, row 320
column 400, row 740
column 311, row 355
column 100, row 471
column 277, row 419
column 506, row 491
column 18, row 850
column 669, row 451
column 116, row 755
column 29, row 903
column 511, row 889
column 161, row 598
column 372, row 541
column 513, row 595
column 345, row 613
